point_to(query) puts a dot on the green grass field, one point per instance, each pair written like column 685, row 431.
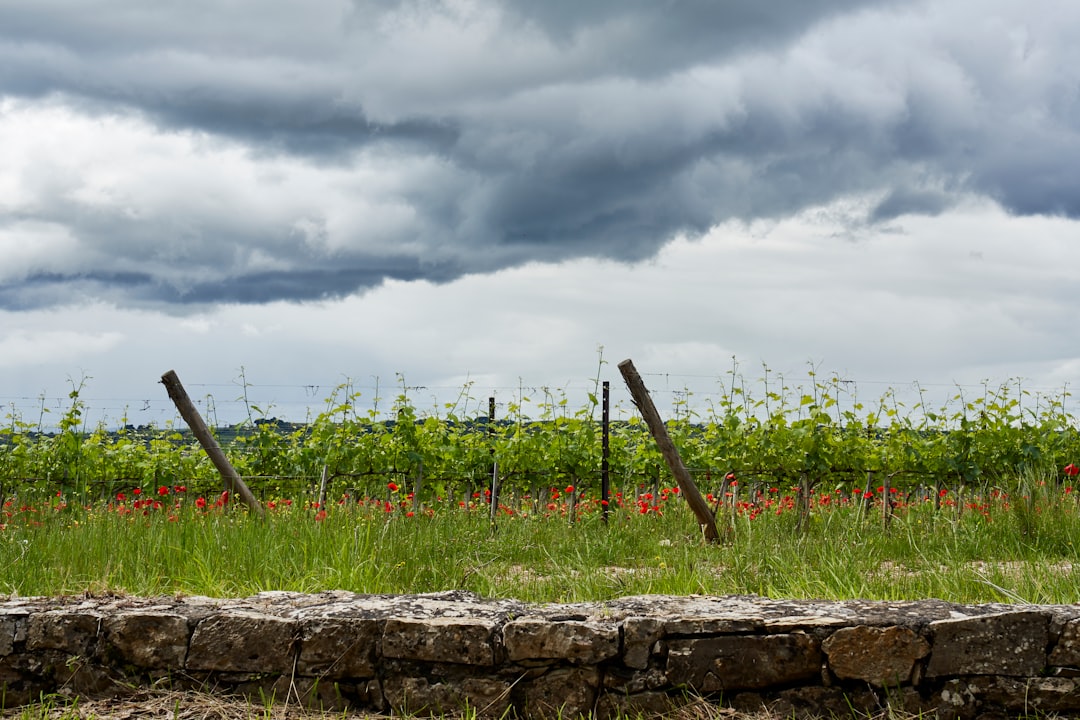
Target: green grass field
column 1017, row 548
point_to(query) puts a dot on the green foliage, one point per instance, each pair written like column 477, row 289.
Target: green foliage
column 814, row 434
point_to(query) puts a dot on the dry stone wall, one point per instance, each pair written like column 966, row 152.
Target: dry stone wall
column 442, row 653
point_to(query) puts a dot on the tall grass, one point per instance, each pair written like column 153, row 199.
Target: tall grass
column 990, row 549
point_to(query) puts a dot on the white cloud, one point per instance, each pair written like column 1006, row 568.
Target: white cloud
column 54, row 348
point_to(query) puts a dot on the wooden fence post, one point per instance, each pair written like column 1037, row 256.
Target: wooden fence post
column 706, row 519
column 191, row 416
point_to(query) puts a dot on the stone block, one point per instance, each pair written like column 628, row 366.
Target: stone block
column 616, row 706
column 883, row 657
column 73, row 631
column 421, row 696
column 147, row 639
column 743, row 662
column 1066, row 652
column 335, row 648
column 639, row 636
column 240, row 641
column 467, row 641
column 561, row 693
column 1037, row 696
column 1009, row 643
column 9, row 629
column 579, row 642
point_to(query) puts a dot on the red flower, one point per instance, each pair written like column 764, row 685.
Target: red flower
column 392, row 486
column 1072, row 470
column 136, row 491
column 320, row 516
column 569, row 489
column 163, row 490
column 729, row 476
column 200, row 503
column 119, row 496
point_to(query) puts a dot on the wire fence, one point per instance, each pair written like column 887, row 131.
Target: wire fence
column 677, row 396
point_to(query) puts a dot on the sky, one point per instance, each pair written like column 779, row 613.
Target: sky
column 462, row 199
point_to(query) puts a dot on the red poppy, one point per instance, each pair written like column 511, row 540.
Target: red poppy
column 163, row 490
column 392, row 486
column 1072, row 470
column 121, row 496
column 200, row 503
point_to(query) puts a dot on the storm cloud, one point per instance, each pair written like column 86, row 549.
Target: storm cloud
column 179, row 154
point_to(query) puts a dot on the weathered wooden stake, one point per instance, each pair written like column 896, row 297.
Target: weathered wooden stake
column 687, row 488
column 605, row 453
column 324, row 480
column 191, row 416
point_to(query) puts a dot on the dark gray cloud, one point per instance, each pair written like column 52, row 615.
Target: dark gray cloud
column 267, row 150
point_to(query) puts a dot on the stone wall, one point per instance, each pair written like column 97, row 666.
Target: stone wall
column 436, row 654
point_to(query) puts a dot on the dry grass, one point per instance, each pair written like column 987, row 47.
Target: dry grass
column 189, row 705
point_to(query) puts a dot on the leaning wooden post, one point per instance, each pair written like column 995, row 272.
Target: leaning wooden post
column 191, row 416
column 706, row 519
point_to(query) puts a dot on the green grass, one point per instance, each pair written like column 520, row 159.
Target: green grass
column 1021, row 551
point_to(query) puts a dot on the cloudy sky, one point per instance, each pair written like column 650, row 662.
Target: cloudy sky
column 434, row 194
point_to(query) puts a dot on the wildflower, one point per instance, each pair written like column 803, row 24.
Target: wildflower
column 1072, row 470
column 392, row 486
column 200, row 503
column 569, row 489
column 320, row 516
column 121, row 497
column 136, row 491
column 163, row 490
column 410, row 514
